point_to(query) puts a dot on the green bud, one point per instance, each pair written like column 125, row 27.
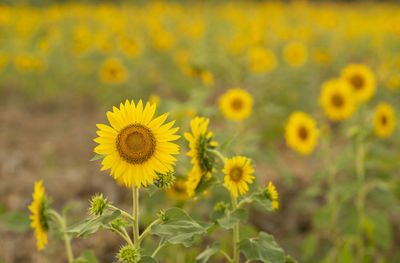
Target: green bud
column 161, row 215
column 98, row 205
column 128, row 254
column 221, row 206
column 165, row 180
column 118, row 223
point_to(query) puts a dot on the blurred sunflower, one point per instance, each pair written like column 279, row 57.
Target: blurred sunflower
column 301, row 132
column 261, row 60
column 136, row 146
column 40, row 217
column 384, row 120
column 178, row 190
column 361, row 79
column 113, row 72
column 238, row 173
column 337, row 99
column 272, row 195
column 200, row 140
column 236, row 104
column 129, row 47
column 295, row 54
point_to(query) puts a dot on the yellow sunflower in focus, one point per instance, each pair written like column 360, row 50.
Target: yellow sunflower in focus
column 272, row 195
column 361, row 79
column 39, row 217
column 238, row 173
column 178, row 189
column 236, row 104
column 200, row 140
column 261, row 60
column 113, row 72
column 337, row 99
column 295, row 54
column 301, row 132
column 384, row 120
column 137, row 146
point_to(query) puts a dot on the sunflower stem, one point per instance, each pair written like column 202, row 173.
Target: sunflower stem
column 236, row 238
column 226, row 255
column 66, row 238
column 160, row 246
column 147, row 230
column 127, row 215
column 135, row 192
column 219, row 155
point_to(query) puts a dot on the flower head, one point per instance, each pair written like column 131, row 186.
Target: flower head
column 301, row 132
column 272, row 195
column 40, row 217
column 128, row 254
column 238, row 174
column 165, row 180
column 295, row 54
column 361, row 79
column 178, row 189
column 98, row 205
column 137, row 146
column 113, row 72
column 236, row 104
column 261, row 60
column 200, row 140
column 384, row 120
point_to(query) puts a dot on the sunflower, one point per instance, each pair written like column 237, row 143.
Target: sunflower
column 113, row 71
column 136, row 146
column 236, row 104
column 295, row 54
column 337, row 99
column 301, row 132
column 238, row 173
column 200, row 140
column 384, row 120
column 361, row 79
column 261, row 60
column 40, row 217
column 178, row 189
column 272, row 195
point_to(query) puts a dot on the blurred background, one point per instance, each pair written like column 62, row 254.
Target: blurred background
column 63, row 65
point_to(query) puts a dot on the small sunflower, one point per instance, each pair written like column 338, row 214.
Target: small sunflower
column 136, row 146
column 236, row 104
column 40, row 217
column 178, row 189
column 384, row 120
column 238, row 173
column 261, row 60
column 272, row 195
column 337, row 99
column 361, row 79
column 113, row 71
column 200, row 140
column 301, row 132
column 295, row 54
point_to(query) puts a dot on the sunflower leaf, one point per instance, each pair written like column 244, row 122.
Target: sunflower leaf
column 259, row 198
column 178, row 228
column 16, row 221
column 262, row 248
column 87, row 257
column 208, row 253
column 147, row 259
column 227, row 219
column 92, row 225
column 98, row 157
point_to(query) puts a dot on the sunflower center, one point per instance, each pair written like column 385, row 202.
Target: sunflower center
column 337, row 100
column 136, row 143
column 357, row 81
column 303, row 133
column 236, row 174
column 237, row 104
column 384, row 120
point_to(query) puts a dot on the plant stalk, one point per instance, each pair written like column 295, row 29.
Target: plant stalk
column 67, row 241
column 135, row 195
column 236, row 238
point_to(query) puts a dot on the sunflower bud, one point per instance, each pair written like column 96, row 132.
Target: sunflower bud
column 128, row 254
column 221, row 206
column 98, row 205
column 161, row 215
column 165, row 180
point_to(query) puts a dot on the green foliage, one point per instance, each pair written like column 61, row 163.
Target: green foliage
column 16, row 221
column 87, row 257
column 92, row 225
column 178, row 228
column 262, row 248
column 98, row 157
column 208, row 253
column 227, row 219
column 261, row 198
column 147, row 259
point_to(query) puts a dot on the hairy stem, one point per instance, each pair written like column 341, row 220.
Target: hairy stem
column 125, row 214
column 66, row 238
column 147, row 230
column 157, row 249
column 135, row 195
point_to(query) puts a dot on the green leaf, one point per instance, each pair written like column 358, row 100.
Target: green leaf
column 262, row 248
column 16, row 221
column 147, row 259
column 228, row 219
column 92, row 225
column 208, row 253
column 87, row 257
column 289, row 259
column 98, row 157
column 178, row 228
column 68, row 208
column 259, row 198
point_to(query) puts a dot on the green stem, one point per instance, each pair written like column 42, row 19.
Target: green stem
column 67, row 241
column 135, row 192
column 147, row 230
column 360, row 170
column 235, row 234
column 157, row 249
column 123, row 234
column 226, row 255
column 127, row 215
column 218, row 155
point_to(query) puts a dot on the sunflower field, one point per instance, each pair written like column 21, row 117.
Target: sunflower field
column 200, row 131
